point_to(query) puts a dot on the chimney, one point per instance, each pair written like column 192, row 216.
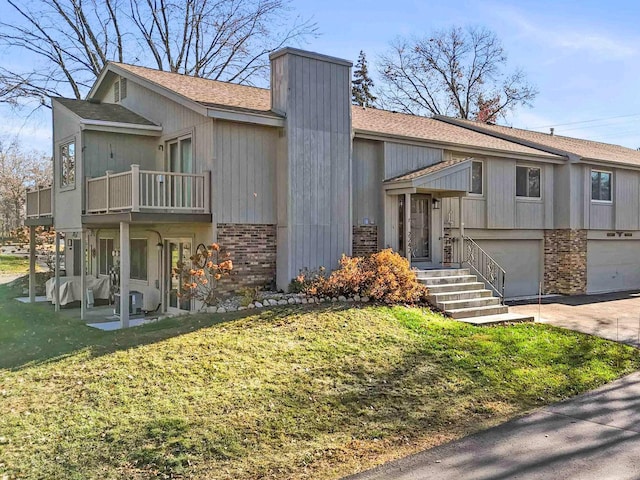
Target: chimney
column 313, row 93
column 552, row 130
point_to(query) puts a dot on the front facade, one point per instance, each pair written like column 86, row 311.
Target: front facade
column 153, row 165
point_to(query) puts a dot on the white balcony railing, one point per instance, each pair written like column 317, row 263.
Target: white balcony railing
column 39, row 202
column 148, row 191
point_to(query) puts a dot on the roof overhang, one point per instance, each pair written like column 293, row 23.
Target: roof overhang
column 458, row 147
column 453, row 180
column 117, row 127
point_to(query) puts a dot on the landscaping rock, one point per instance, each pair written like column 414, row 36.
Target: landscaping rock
column 251, row 306
column 304, row 301
column 291, row 301
column 221, row 310
column 282, row 302
column 258, row 305
column 342, row 298
column 334, row 300
column 356, row 298
column 365, row 299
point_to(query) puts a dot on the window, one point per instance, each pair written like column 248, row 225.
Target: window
column 476, row 178
column 528, row 182
column 138, row 259
column 120, row 90
column 600, row 186
column 105, row 257
column 68, row 164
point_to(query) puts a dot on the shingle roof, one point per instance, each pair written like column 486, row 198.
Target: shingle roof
column 204, row 91
column 428, row 129
column 586, row 149
column 105, row 112
column 426, row 170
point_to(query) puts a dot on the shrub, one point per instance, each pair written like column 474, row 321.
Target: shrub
column 306, row 280
column 201, row 274
column 384, row 276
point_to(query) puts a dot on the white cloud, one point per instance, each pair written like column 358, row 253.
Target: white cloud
column 562, row 36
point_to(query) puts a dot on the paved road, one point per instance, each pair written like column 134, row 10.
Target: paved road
column 595, row 436
column 615, row 316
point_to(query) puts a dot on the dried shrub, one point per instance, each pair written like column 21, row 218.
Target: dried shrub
column 306, row 280
column 200, row 275
column 384, row 276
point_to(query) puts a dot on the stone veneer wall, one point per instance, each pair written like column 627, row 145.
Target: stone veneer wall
column 565, row 261
column 365, row 240
column 253, row 252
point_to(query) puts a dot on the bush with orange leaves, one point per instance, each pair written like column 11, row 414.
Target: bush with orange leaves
column 384, row 277
column 199, row 276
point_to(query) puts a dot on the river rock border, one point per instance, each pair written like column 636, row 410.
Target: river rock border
column 280, row 299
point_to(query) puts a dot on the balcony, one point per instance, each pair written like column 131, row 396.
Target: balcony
column 151, row 192
column 39, row 206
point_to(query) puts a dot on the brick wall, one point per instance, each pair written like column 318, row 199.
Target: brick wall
column 253, row 252
column 365, row 240
column 565, row 261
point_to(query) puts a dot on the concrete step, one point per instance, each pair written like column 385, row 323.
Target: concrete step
column 477, row 311
column 468, row 303
column 454, row 287
column 498, row 319
column 448, row 296
column 447, row 272
column 447, row 280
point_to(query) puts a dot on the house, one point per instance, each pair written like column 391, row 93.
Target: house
column 153, row 165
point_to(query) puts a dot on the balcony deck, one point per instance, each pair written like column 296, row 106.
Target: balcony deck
column 39, row 206
column 145, row 196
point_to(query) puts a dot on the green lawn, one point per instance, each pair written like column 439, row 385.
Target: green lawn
column 286, row 393
column 11, row 264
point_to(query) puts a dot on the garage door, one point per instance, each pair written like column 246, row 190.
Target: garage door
column 613, row 265
column 521, row 259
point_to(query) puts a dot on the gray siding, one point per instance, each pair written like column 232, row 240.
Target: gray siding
column 117, row 152
column 501, row 193
column 368, row 176
column 244, row 175
column 317, row 173
column 626, row 200
column 456, row 178
column 400, row 158
column 68, row 202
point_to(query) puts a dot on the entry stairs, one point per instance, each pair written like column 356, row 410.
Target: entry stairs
column 462, row 296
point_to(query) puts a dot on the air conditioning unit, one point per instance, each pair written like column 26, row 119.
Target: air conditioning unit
column 135, row 303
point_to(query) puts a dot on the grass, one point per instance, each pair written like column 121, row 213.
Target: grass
column 12, row 264
column 286, row 393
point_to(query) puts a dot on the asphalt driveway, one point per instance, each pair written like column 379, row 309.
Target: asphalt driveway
column 595, row 436
column 615, row 316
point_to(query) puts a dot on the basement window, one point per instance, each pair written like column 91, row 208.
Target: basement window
column 600, row 186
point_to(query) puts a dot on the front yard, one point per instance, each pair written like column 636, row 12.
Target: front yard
column 296, row 392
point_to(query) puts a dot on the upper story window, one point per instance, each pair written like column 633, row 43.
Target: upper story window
column 600, row 185
column 120, row 90
column 476, row 178
column 528, row 182
column 68, row 164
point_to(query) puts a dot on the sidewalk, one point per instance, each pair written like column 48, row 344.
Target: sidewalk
column 595, row 436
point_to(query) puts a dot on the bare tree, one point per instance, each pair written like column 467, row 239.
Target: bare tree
column 453, row 72
column 70, row 41
column 19, row 170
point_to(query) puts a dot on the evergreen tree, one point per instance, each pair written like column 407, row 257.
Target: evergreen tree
column 362, row 84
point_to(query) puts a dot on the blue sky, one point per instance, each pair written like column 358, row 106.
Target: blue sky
column 584, row 57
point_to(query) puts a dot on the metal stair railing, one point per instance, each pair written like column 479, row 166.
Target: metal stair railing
column 483, row 265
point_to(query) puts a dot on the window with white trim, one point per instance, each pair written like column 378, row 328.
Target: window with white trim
column 601, row 185
column 105, row 256
column 528, row 182
column 119, row 90
column 68, row 164
column 476, row 177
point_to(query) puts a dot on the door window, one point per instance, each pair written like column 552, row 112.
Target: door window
column 178, row 252
column 419, row 233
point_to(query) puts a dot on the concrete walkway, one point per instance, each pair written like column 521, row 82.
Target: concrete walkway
column 615, row 316
column 595, row 436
